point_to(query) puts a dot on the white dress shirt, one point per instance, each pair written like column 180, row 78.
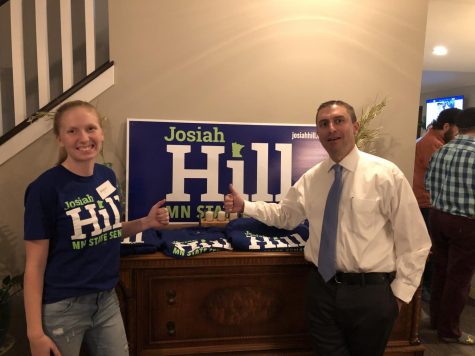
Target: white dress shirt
column 380, row 227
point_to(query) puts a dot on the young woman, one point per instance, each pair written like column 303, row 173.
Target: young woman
column 72, row 238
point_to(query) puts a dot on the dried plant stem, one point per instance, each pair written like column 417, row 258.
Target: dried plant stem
column 367, row 135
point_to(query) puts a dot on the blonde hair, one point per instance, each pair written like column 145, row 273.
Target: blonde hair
column 59, row 115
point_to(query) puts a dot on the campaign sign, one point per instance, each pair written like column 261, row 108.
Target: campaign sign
column 192, row 163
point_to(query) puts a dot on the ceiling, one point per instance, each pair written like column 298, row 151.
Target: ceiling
column 450, row 23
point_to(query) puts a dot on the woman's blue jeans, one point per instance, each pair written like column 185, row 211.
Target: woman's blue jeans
column 94, row 318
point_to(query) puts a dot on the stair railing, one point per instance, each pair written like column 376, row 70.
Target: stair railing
column 49, row 49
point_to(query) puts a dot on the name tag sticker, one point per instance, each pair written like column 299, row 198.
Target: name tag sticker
column 105, row 189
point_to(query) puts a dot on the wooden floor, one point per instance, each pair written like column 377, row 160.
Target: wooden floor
column 436, row 348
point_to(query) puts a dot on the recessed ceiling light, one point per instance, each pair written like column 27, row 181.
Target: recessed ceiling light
column 439, row 51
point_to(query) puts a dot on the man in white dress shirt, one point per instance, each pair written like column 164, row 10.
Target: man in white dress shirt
column 381, row 239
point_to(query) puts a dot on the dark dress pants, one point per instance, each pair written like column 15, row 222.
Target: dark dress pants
column 453, row 252
column 349, row 320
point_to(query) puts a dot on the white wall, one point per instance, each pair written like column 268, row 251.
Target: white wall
column 247, row 60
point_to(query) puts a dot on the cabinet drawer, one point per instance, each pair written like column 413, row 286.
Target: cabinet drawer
column 209, row 306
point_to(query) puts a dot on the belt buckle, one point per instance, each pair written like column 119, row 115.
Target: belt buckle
column 336, row 279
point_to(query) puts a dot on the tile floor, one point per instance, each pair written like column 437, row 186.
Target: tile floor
column 436, row 348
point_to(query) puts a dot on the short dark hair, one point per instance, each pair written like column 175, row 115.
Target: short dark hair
column 446, row 116
column 347, row 106
column 465, row 120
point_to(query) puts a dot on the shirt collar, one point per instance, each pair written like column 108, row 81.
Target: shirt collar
column 349, row 162
column 436, row 133
column 465, row 137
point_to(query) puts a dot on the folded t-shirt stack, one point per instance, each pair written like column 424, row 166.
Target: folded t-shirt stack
column 244, row 234
column 193, row 241
column 248, row 234
column 141, row 243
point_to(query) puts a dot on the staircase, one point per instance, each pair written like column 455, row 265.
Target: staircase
column 51, row 51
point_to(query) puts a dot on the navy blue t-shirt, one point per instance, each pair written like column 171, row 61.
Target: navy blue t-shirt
column 193, row 241
column 81, row 218
column 144, row 242
column 248, row 234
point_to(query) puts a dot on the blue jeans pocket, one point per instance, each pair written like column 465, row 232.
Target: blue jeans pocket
column 61, row 307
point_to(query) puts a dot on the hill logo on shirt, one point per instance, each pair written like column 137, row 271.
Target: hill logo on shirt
column 196, row 247
column 287, row 243
column 103, row 216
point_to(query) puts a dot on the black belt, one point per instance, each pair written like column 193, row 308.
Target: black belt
column 362, row 278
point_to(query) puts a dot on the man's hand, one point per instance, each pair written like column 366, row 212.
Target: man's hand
column 233, row 203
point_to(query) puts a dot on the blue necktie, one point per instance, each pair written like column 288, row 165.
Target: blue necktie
column 327, row 253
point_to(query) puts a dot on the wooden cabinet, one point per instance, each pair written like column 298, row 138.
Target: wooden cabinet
column 228, row 302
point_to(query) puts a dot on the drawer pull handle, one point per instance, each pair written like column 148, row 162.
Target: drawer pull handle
column 171, row 296
column 171, row 328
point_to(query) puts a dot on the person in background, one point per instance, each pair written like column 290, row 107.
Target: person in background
column 72, row 240
column 450, row 180
column 441, row 131
column 368, row 251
